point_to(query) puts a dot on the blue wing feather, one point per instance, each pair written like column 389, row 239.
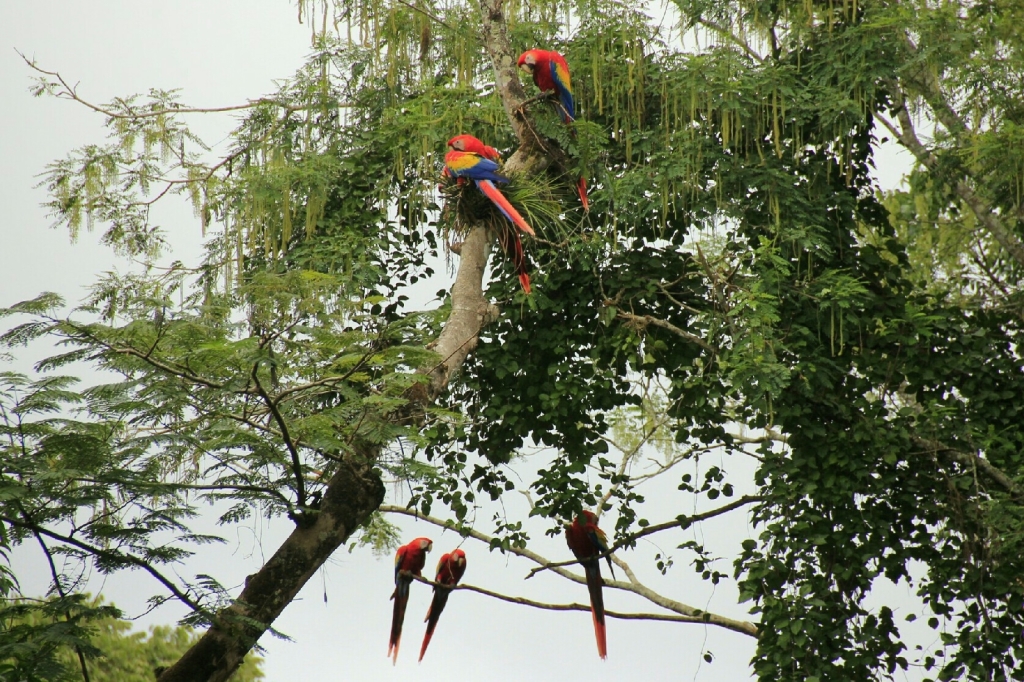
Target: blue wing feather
column 564, row 89
column 481, row 169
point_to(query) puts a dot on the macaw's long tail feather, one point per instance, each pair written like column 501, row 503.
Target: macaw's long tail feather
column 524, row 281
column 581, row 187
column 433, row 614
column 401, row 598
column 524, row 276
column 499, row 200
column 594, row 583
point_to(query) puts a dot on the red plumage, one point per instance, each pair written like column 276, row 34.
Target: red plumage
column 450, row 570
column 409, row 559
column 468, row 143
column 587, row 543
column 471, row 158
column 510, row 241
column 550, row 73
column 492, row 193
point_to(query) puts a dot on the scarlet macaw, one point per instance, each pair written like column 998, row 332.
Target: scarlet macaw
column 463, row 162
column 408, row 559
column 468, row 143
column 587, row 543
column 450, row 569
column 551, row 73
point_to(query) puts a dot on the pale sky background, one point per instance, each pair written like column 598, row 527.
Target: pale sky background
column 222, row 53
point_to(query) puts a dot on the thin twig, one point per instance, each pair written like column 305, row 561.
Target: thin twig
column 71, row 92
column 426, row 14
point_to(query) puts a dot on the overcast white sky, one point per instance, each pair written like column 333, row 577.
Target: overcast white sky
column 222, row 53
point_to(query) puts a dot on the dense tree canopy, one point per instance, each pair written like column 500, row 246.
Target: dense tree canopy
column 741, row 290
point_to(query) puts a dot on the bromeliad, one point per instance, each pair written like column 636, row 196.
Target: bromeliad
column 463, row 162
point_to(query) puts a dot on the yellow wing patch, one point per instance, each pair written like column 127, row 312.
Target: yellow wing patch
column 462, row 162
column 562, row 76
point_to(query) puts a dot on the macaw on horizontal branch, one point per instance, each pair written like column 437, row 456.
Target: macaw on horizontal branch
column 551, row 74
column 478, row 166
column 409, row 561
column 450, row 570
column 588, row 543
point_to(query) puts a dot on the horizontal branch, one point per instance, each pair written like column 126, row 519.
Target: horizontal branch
column 644, row 320
column 742, row 627
column 563, row 607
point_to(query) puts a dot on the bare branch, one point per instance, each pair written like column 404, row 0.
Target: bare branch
column 60, row 591
column 562, row 607
column 71, row 92
column 425, row 13
column 730, row 35
column 644, row 320
column 973, row 460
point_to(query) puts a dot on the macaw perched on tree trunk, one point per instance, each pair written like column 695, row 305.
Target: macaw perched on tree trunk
column 409, row 559
column 462, row 162
column 551, row 74
column 588, row 543
column 450, row 569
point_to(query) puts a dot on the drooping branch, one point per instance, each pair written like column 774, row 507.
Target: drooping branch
column 112, row 555
column 68, row 91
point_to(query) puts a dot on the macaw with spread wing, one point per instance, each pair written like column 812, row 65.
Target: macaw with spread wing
column 551, row 74
column 588, row 543
column 409, row 559
column 479, row 166
column 450, row 570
